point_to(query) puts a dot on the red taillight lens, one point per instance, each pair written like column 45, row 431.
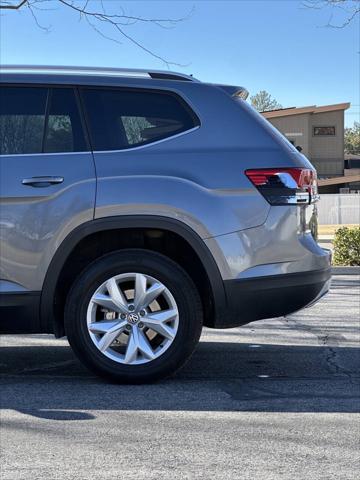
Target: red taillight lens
column 284, row 186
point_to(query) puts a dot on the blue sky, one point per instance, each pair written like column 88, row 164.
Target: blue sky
column 278, row 46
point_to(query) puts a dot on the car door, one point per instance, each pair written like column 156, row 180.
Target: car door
column 47, row 182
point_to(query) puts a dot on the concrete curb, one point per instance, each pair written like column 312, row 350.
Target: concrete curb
column 345, row 270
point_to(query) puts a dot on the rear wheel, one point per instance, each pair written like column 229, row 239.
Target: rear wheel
column 133, row 316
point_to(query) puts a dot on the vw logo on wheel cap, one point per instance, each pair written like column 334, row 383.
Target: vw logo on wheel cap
column 133, row 318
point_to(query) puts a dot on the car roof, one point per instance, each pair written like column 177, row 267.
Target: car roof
column 65, row 75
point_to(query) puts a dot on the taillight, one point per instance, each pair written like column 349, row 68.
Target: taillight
column 285, row 186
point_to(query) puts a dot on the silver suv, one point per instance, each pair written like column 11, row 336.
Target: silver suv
column 138, row 206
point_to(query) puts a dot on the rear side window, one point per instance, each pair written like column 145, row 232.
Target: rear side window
column 39, row 120
column 22, row 119
column 122, row 119
column 64, row 132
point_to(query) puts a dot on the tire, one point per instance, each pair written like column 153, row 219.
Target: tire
column 139, row 354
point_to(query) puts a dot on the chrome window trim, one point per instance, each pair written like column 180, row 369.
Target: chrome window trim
column 43, row 153
column 103, row 151
column 150, row 144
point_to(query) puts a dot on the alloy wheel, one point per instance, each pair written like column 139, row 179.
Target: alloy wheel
column 132, row 318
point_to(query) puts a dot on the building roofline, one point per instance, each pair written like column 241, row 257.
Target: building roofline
column 322, row 182
column 302, row 110
column 330, row 108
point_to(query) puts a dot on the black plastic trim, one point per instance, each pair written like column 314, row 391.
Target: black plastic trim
column 169, row 76
column 48, row 319
column 270, row 297
column 19, row 312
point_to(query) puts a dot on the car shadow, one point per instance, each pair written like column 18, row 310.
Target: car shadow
column 49, row 382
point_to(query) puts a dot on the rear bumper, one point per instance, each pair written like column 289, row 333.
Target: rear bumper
column 272, row 296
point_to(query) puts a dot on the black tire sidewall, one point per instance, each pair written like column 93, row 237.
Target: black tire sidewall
column 164, row 270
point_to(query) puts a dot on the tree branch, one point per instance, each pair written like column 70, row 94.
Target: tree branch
column 84, row 10
column 115, row 21
column 7, row 6
column 94, row 18
column 30, row 7
column 347, row 21
column 351, row 7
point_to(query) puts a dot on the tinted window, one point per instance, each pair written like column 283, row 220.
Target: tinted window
column 37, row 120
column 22, row 119
column 64, row 131
column 126, row 118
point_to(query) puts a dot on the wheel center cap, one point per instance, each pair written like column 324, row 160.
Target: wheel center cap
column 133, row 318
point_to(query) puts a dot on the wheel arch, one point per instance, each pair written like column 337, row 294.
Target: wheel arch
column 50, row 321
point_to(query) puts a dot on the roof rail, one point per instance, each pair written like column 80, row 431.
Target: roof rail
column 72, row 70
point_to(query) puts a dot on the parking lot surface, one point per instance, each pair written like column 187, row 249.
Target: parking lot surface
column 276, row 399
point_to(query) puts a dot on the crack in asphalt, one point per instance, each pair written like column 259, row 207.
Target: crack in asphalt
column 49, row 366
column 324, row 339
column 251, row 393
column 331, row 360
column 328, row 341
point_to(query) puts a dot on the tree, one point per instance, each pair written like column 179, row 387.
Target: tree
column 103, row 17
column 352, row 139
column 341, row 12
column 264, row 102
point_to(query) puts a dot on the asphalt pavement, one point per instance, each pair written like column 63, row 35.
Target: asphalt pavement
column 276, row 399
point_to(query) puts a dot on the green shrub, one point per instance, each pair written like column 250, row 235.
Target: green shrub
column 347, row 246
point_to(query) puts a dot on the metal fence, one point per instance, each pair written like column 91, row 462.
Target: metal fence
column 339, row 209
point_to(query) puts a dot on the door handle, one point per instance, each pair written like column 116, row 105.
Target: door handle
column 42, row 181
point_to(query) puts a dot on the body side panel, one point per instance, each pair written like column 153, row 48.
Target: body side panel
column 282, row 245
column 198, row 176
column 34, row 221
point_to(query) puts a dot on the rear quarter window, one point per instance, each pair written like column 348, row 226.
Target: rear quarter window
column 121, row 119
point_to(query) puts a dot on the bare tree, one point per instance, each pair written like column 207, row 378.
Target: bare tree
column 348, row 10
column 98, row 18
column 263, row 102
